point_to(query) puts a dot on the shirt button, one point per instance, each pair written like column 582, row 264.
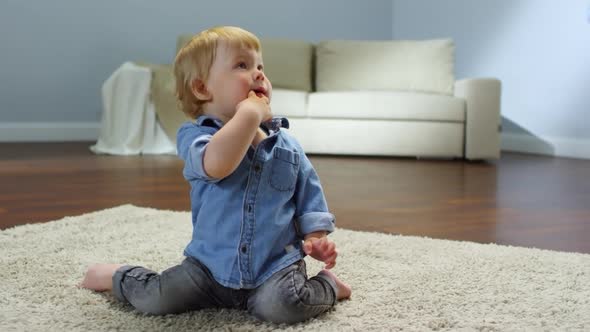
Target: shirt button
column 244, row 249
column 257, row 168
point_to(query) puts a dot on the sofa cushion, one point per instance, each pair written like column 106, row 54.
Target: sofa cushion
column 289, row 103
column 426, row 65
column 288, row 63
column 384, row 105
column 385, row 138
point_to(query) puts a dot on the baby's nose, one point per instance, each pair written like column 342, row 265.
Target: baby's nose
column 259, row 75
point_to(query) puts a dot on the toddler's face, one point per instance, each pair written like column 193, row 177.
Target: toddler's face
column 234, row 73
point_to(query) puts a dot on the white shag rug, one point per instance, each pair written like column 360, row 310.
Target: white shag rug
column 399, row 282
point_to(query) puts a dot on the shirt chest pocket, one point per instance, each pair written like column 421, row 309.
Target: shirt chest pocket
column 284, row 168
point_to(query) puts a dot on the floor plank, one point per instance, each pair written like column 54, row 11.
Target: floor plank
column 521, row 200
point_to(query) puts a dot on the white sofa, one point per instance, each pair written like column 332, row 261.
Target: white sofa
column 388, row 98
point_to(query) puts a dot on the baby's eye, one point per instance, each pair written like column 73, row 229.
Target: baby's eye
column 261, row 67
column 242, row 65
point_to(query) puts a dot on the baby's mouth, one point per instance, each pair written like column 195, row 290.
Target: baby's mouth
column 260, row 92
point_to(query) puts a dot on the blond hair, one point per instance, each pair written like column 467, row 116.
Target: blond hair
column 194, row 61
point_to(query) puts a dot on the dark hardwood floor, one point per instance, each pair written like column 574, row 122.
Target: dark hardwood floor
column 520, row 200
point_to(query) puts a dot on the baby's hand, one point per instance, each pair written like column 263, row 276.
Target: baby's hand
column 321, row 249
column 259, row 104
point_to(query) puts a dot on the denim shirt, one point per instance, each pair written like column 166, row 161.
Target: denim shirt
column 250, row 224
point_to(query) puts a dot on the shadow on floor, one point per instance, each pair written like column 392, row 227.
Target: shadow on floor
column 518, row 139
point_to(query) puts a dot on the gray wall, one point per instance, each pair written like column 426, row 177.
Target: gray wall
column 57, row 54
column 540, row 49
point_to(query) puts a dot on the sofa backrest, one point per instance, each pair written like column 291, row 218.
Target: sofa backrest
column 346, row 65
column 425, row 66
column 287, row 63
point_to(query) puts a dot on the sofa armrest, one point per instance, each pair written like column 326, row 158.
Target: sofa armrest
column 482, row 124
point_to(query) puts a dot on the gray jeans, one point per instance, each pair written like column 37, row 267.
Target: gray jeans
column 286, row 297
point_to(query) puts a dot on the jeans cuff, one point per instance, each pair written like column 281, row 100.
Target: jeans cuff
column 118, row 281
column 330, row 282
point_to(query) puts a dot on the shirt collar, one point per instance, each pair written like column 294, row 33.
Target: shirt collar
column 273, row 125
column 209, row 120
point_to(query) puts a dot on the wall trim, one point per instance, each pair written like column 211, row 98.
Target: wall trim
column 546, row 145
column 49, row 131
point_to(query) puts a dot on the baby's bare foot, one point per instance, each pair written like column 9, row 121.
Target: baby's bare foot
column 344, row 291
column 99, row 277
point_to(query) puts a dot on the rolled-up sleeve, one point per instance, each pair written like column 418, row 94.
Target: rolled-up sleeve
column 316, row 221
column 192, row 145
column 312, row 213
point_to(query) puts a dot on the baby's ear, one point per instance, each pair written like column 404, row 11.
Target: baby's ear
column 200, row 91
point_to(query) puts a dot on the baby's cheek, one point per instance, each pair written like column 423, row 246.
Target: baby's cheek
column 245, row 83
column 245, row 87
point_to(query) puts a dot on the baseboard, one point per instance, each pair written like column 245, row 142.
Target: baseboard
column 546, row 145
column 49, row 131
